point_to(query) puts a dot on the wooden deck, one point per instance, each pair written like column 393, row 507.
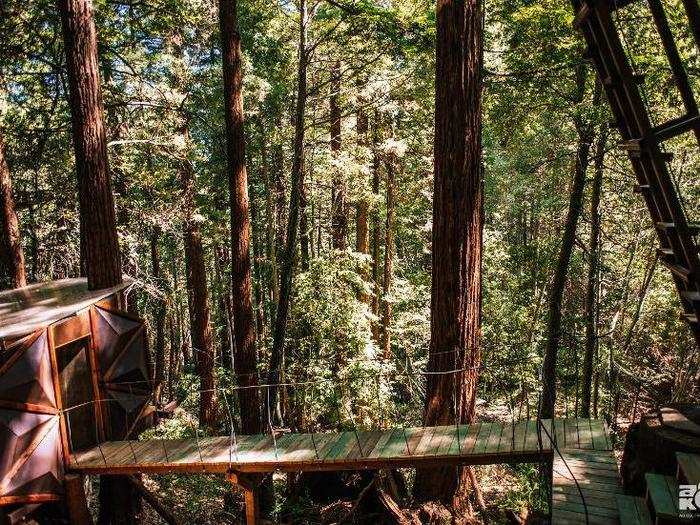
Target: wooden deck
column 584, row 445
column 480, row 443
column 597, row 476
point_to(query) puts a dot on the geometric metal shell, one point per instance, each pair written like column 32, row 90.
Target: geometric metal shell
column 124, row 370
column 25, row 374
column 31, row 464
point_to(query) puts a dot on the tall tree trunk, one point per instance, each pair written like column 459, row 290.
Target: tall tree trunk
column 362, row 207
column 12, row 270
column 455, row 323
column 303, row 226
column 198, row 298
column 288, row 255
column 99, row 246
column 339, row 213
column 376, row 229
column 159, row 319
column 388, row 257
column 98, row 233
column 246, row 363
column 592, row 283
column 561, row 271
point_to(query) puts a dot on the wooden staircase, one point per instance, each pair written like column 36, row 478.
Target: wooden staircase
column 643, row 141
column 661, row 504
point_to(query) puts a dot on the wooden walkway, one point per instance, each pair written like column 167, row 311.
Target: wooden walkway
column 585, row 467
column 584, row 445
column 480, row 443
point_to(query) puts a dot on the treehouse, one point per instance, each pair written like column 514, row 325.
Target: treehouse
column 73, row 372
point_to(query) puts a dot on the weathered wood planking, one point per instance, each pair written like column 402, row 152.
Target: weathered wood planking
column 586, row 472
column 478, row 443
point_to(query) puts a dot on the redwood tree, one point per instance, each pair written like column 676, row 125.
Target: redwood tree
column 98, row 232
column 339, row 217
column 99, row 246
column 455, row 324
column 245, row 364
column 12, row 270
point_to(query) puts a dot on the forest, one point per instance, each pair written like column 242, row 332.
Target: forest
column 352, row 214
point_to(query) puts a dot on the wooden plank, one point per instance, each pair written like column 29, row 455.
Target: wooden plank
column 628, row 512
column 565, row 517
column 560, row 433
column 585, row 437
column 571, row 431
column 519, row 440
column 456, row 447
column 659, row 494
column 468, row 438
column 581, row 509
column 442, row 440
column 368, row 440
column 532, row 443
column 381, row 443
column 507, row 442
column 591, row 501
column 494, row 438
column 424, row 443
column 396, row 446
column 414, row 436
column 482, row 438
column 341, row 446
column 689, row 467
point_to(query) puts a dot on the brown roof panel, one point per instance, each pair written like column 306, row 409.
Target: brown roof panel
column 27, row 309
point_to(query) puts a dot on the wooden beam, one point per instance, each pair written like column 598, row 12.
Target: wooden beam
column 76, row 501
column 250, row 485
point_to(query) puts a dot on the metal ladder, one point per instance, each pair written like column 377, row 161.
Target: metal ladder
column 677, row 237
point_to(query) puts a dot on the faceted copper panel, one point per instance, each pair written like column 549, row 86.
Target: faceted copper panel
column 25, row 373
column 124, row 371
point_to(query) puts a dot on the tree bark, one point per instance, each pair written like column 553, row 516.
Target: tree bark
column 289, row 252
column 98, row 233
column 159, row 319
column 455, row 323
column 362, row 207
column 388, row 258
column 376, row 229
column 12, row 270
column 556, row 292
column 246, row 362
column 99, row 245
column 592, row 282
column 339, row 213
column 198, row 299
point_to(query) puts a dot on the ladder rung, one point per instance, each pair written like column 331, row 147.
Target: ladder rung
column 641, row 188
column 691, row 297
column 668, row 260
column 690, row 318
column 675, row 127
column 583, row 13
column 693, row 227
column 665, row 252
column 615, row 81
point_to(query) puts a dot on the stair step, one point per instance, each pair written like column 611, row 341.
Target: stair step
column 692, row 297
column 693, row 227
column 688, row 467
column 667, row 257
column 690, row 318
column 633, row 510
column 662, row 498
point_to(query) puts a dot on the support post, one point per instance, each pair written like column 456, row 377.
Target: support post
column 250, row 485
column 76, row 500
